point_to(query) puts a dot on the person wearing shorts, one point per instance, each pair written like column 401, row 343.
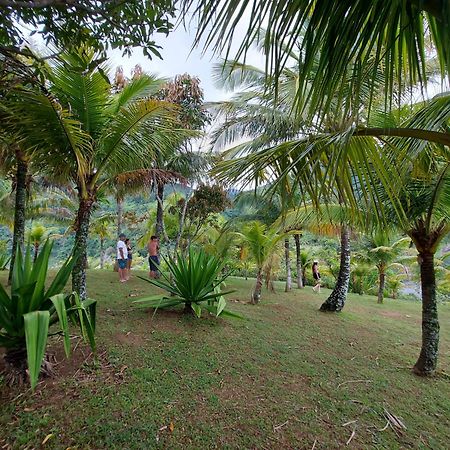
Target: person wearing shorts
column 122, row 258
column 153, row 259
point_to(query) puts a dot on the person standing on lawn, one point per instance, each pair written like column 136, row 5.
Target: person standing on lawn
column 153, row 259
column 130, row 257
column 122, row 258
column 316, row 276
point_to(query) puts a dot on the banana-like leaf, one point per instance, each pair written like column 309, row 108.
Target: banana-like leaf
column 36, row 333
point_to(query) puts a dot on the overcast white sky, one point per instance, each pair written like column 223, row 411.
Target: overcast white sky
column 179, row 58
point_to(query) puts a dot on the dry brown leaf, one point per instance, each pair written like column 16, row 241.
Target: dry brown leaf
column 171, row 427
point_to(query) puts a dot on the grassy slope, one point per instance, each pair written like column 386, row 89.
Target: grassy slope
column 287, row 378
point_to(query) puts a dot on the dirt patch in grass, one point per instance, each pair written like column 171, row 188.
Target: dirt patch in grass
column 81, row 367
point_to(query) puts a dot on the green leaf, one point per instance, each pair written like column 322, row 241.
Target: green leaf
column 60, row 307
column 36, row 333
column 221, row 305
column 197, row 309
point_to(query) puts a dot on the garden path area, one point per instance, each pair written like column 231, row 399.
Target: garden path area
column 286, row 377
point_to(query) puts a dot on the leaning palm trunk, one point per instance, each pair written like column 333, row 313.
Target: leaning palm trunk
column 256, row 295
column 288, row 286
column 300, row 284
column 426, row 364
column 80, row 247
column 19, row 211
column 336, row 300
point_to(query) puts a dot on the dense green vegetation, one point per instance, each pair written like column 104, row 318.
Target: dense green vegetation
column 285, row 377
column 329, row 166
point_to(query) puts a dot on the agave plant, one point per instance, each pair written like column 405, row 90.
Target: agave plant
column 197, row 282
column 27, row 314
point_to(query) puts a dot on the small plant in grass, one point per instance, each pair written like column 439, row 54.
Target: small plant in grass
column 196, row 282
column 28, row 312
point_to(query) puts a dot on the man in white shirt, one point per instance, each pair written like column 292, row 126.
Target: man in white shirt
column 122, row 257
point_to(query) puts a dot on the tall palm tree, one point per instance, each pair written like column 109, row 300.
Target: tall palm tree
column 426, row 221
column 83, row 133
column 15, row 161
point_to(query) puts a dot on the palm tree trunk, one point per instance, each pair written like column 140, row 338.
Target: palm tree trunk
column 119, row 201
column 336, row 301
column 381, row 284
column 287, row 257
column 426, row 364
column 159, row 209
column 300, row 284
column 80, row 247
column 102, row 252
column 256, row 295
column 19, row 211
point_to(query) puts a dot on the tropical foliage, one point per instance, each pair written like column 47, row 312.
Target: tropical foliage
column 28, row 312
column 196, row 282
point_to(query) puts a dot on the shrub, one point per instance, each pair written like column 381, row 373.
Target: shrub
column 27, row 314
column 195, row 281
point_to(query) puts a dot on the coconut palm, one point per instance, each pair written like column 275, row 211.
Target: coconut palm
column 261, row 242
column 394, row 34
column 87, row 135
column 15, row 161
column 382, row 251
column 426, row 220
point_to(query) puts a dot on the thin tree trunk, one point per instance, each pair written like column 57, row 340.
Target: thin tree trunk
column 300, row 284
column 119, row 201
column 426, row 364
column 256, row 295
column 102, row 252
column 181, row 226
column 287, row 257
column 80, row 246
column 381, row 284
column 159, row 209
column 19, row 211
column 336, row 301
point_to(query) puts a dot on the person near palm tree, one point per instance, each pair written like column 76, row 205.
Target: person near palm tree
column 153, row 259
column 130, row 256
column 122, row 257
column 316, row 276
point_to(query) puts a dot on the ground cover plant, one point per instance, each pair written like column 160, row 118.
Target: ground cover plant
column 286, row 378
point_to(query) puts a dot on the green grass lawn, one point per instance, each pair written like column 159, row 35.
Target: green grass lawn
column 287, row 377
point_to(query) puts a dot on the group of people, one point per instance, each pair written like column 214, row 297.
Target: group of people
column 125, row 257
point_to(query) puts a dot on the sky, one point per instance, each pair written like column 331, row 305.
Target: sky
column 179, row 57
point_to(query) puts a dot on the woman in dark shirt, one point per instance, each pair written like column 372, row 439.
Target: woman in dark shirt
column 316, row 276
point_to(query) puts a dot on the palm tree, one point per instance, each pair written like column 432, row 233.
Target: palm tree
column 261, row 242
column 84, row 134
column 426, row 220
column 16, row 161
column 100, row 227
column 382, row 252
column 334, row 39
